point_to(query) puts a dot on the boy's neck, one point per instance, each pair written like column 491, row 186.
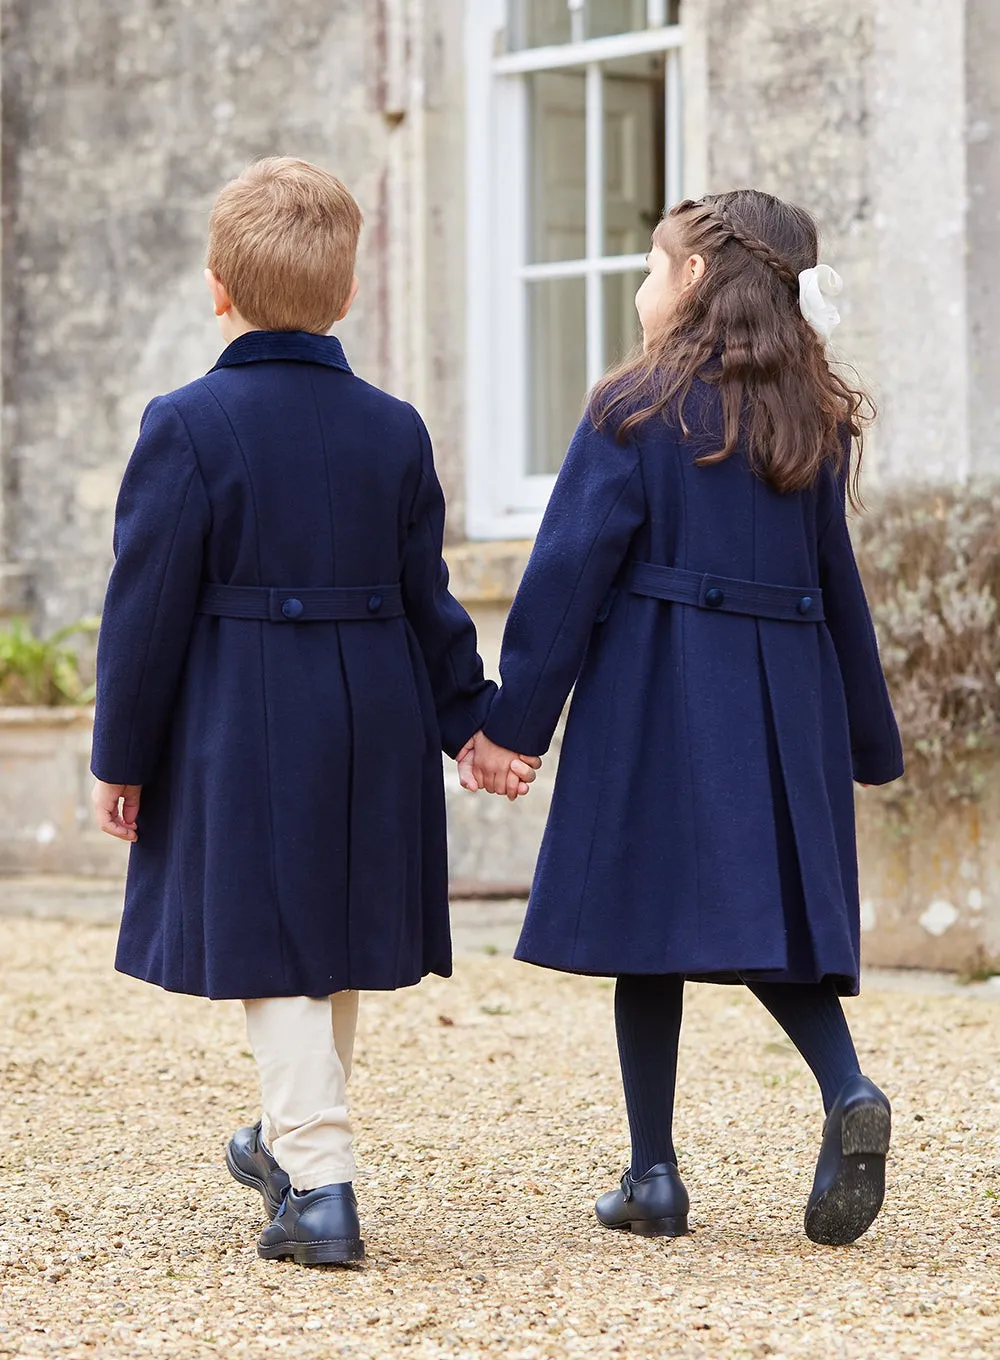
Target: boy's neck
column 232, row 326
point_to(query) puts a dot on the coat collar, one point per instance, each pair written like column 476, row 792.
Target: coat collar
column 296, row 346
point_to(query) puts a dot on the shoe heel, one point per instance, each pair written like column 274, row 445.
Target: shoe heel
column 677, row 1226
column 865, row 1130
column 346, row 1253
column 252, row 1183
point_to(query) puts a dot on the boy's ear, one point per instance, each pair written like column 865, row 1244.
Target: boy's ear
column 350, row 298
column 220, row 294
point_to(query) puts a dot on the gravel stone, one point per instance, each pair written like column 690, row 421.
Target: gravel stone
column 489, row 1117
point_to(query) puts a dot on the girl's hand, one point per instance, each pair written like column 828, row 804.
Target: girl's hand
column 498, row 770
column 116, row 807
column 513, row 776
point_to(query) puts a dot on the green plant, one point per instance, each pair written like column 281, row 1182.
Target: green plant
column 42, row 671
column 930, row 558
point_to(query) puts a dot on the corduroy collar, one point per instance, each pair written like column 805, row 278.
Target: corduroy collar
column 302, row 347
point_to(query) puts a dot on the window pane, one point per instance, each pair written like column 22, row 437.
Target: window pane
column 634, row 187
column 603, row 17
column 540, row 23
column 622, row 332
column 634, row 160
column 557, row 368
column 536, row 23
column 558, row 143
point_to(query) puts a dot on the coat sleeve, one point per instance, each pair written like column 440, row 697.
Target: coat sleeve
column 445, row 633
column 876, row 749
column 161, row 523
column 596, row 506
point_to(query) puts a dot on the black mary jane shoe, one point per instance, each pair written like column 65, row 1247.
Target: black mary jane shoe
column 316, row 1227
column 849, row 1185
column 653, row 1205
column 251, row 1164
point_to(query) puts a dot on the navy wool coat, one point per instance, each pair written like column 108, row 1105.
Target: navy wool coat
column 703, row 816
column 280, row 664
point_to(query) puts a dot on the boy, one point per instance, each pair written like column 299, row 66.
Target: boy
column 280, row 664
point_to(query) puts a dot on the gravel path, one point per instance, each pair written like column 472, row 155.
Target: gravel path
column 489, row 1117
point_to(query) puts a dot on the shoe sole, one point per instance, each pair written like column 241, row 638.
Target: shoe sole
column 344, row 1251
column 252, row 1183
column 851, row 1204
column 652, row 1227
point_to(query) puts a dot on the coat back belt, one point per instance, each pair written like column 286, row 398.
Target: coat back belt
column 796, row 604
column 340, row 604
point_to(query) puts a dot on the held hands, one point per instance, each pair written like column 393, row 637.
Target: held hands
column 116, row 807
column 484, row 765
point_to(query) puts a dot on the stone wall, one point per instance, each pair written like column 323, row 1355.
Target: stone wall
column 930, row 881
column 121, row 117
column 883, row 119
column 982, row 48
column 120, row 120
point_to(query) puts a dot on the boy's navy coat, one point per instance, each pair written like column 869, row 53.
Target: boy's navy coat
column 292, row 823
column 703, row 816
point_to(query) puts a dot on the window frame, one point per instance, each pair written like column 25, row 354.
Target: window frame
column 503, row 499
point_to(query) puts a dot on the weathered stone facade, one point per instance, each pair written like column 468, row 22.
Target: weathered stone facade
column 121, row 117
column 884, row 120
column 120, row 120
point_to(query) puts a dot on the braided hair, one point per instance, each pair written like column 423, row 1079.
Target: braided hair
column 759, row 249
column 740, row 330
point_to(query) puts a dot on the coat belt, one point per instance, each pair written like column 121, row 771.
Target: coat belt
column 796, row 604
column 313, row 604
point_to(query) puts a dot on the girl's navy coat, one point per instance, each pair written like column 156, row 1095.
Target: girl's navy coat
column 703, row 816
column 292, row 824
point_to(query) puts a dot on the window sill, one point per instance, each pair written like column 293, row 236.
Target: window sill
column 487, row 572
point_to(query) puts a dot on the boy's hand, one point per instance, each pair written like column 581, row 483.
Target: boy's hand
column 484, row 765
column 116, row 807
column 464, row 762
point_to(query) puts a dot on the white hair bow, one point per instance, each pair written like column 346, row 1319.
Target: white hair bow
column 817, row 287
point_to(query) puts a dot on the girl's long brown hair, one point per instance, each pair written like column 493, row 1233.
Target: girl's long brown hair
column 740, row 329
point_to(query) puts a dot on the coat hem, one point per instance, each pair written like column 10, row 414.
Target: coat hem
column 348, row 984
column 846, row 984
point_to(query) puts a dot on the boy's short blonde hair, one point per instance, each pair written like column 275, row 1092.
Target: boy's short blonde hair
column 283, row 238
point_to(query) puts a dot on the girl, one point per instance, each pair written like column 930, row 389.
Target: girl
column 694, row 577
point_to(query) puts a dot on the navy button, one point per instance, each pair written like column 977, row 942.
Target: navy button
column 293, row 609
column 714, row 598
column 805, row 604
column 374, row 604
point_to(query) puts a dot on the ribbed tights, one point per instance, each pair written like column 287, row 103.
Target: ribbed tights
column 648, row 1010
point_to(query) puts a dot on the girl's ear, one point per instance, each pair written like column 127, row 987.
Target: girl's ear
column 694, row 270
column 220, row 293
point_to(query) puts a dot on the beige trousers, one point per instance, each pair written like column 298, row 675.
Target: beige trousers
column 303, row 1047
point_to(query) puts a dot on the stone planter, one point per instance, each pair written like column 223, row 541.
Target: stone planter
column 46, row 824
column 930, row 881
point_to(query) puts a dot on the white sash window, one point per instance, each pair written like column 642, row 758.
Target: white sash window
column 574, row 148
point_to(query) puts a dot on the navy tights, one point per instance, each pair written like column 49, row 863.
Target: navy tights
column 648, row 1011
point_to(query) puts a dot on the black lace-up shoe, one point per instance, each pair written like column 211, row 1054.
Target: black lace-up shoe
column 849, row 1185
column 317, row 1227
column 251, row 1164
column 654, row 1205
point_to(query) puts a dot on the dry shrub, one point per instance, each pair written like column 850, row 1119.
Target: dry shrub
column 930, row 558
